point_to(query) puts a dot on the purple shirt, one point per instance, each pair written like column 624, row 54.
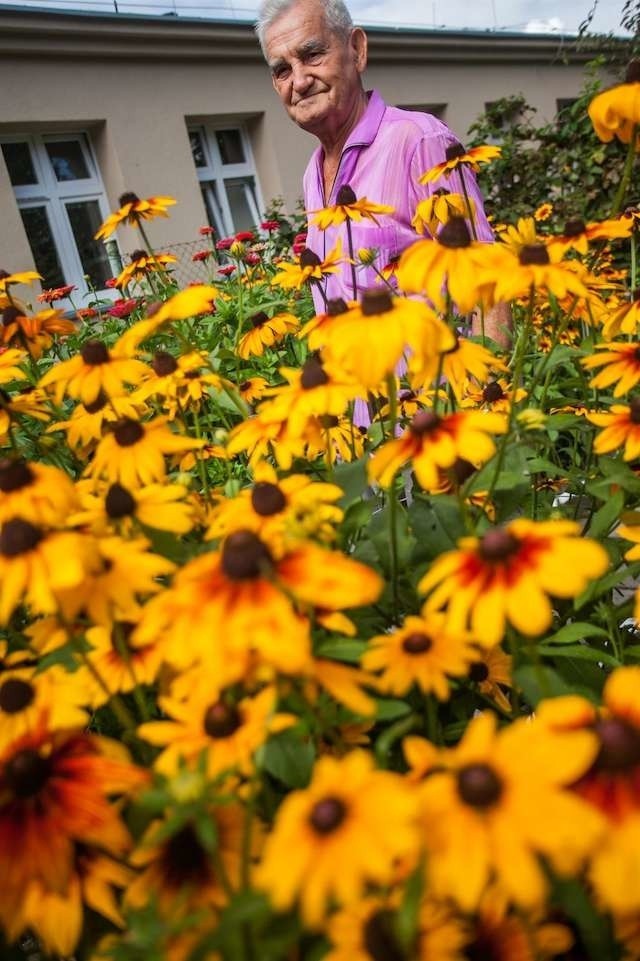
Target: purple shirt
column 385, row 154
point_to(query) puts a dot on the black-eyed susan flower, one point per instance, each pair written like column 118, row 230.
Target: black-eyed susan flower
column 30, row 701
column 623, row 319
column 93, row 370
column 577, row 234
column 616, row 112
column 334, row 438
column 133, row 211
column 228, row 732
column 346, row 208
column 313, row 391
column 263, row 436
column 432, row 443
column 508, row 574
column 468, row 359
column 119, row 666
column 499, row 931
column 308, row 267
column 9, row 369
column 55, row 791
column 456, row 156
column 621, row 366
column 193, row 301
column 421, row 652
column 522, row 234
column 24, row 277
column 621, row 429
column 496, row 395
column 537, row 267
column 500, row 799
column 36, row 492
column 133, row 452
column 87, row 423
column 492, row 675
column 334, row 821
column 252, row 389
column 543, row 212
column 265, row 332
column 115, row 507
column 34, row 332
column 451, row 265
column 142, row 264
column 438, row 209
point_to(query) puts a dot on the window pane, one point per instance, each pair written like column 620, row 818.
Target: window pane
column 242, row 212
column 67, row 160
column 36, row 224
column 230, row 146
column 17, row 157
column 197, row 149
column 212, row 204
column 85, row 219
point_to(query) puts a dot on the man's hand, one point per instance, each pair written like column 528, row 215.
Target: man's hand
column 498, row 325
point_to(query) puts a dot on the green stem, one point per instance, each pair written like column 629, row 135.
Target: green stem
column 352, row 258
column 626, row 173
column 393, row 544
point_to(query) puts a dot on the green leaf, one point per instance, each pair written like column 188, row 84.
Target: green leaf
column 581, row 651
column 594, row 926
column 391, row 710
column 408, row 913
column 289, row 758
column 576, row 631
column 604, row 584
column 345, row 649
column 436, row 524
column 604, row 518
column 352, row 478
column 536, row 687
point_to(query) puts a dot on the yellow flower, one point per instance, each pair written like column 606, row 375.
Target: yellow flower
column 34, row 331
column 616, row 112
column 524, row 234
column 190, row 302
column 132, row 210
column 36, row 492
column 159, row 506
column 423, row 651
column 495, row 803
column 456, row 156
column 432, row 443
column 86, row 425
column 26, row 277
column 346, row 208
column 452, row 265
column 308, row 267
column 438, row 209
column 577, row 234
column 622, row 427
column 350, row 815
column 142, row 264
column 261, row 436
column 467, row 358
column 625, row 319
column 94, row 370
column 312, row 391
column 30, row 701
column 508, row 574
column 539, row 267
column 496, row 395
column 621, row 364
column 132, row 453
column 492, row 673
column 266, row 331
column 120, row 666
column 9, row 359
column 543, row 212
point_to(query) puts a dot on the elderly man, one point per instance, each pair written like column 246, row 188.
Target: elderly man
column 317, row 59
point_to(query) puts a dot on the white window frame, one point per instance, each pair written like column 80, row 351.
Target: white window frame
column 214, row 174
column 54, row 194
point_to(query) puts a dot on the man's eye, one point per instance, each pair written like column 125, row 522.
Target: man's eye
column 280, row 73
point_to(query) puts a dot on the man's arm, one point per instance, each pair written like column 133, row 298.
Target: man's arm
column 498, row 324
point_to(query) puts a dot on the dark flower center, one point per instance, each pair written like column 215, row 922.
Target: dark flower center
column 455, row 233
column 15, row 695
column 184, row 860
column 139, row 255
column 308, row 258
column 478, row 785
column 267, row 499
column 222, row 720
column 479, row 672
column 379, row 940
column 634, row 410
column 313, row 374
column 164, row 363
column 492, row 392
column 327, row 421
column 498, row 545
column 417, row 643
column 26, row 773
column 406, row 395
column 327, row 815
column 98, row 404
column 128, row 432
column 346, row 196
column 121, row 633
column 441, row 192
column 245, row 385
column 454, row 151
column 534, row 254
column 619, row 745
column 9, row 314
column 119, row 502
column 462, row 470
column 128, row 198
column 244, row 556
column 423, row 423
column 18, row 537
column 633, row 72
column 259, row 319
column 94, row 353
column 14, row 475
column 574, row 227
column 376, row 302
column 336, row 306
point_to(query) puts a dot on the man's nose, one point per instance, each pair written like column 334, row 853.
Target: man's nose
column 301, row 77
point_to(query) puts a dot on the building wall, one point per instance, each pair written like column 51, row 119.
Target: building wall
column 135, row 104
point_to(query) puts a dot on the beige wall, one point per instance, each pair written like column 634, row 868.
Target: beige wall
column 136, row 107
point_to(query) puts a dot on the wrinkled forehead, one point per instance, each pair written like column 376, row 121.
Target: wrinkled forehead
column 298, row 30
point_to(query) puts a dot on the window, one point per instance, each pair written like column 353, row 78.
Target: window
column 222, row 155
column 61, row 201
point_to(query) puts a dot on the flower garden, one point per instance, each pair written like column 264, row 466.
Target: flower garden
column 280, row 685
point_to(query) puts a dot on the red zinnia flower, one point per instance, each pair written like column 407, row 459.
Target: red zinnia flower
column 202, row 255
column 245, row 236
column 122, row 308
column 270, row 225
column 224, row 243
column 227, row 271
column 206, row 231
column 55, row 293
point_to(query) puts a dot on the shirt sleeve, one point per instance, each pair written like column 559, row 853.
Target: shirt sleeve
column 431, row 150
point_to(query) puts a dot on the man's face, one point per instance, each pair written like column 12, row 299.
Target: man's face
column 315, row 73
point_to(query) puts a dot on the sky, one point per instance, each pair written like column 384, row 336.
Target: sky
column 532, row 16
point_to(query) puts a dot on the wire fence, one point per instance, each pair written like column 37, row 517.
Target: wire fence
column 186, row 270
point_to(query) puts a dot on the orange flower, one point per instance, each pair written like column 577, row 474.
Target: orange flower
column 456, row 156
column 622, row 428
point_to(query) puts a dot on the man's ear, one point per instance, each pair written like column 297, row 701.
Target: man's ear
column 358, row 43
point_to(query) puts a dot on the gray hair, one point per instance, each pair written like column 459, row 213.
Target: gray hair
column 336, row 15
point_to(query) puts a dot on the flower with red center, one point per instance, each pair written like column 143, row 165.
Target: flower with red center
column 55, row 791
column 132, row 211
column 206, row 231
column 351, row 815
column 270, row 225
column 616, row 112
column 124, row 307
column 621, row 428
column 432, row 443
column 227, row 270
column 456, row 157
column 508, row 574
column 543, row 212
column 621, row 366
column 224, row 243
column 347, row 208
column 202, row 255
column 55, row 293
